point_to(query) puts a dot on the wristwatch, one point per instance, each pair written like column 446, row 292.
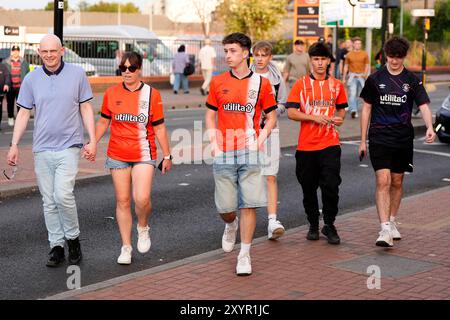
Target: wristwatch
column 13, row 143
column 169, row 157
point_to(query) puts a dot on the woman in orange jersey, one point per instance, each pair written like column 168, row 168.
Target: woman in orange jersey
column 135, row 112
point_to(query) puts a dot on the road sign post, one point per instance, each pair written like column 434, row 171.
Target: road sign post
column 58, row 18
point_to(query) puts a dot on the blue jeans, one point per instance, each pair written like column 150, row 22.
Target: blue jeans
column 179, row 77
column 55, row 173
column 355, row 86
column 238, row 181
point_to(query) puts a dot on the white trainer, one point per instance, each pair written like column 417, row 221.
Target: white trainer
column 275, row 229
column 244, row 265
column 385, row 239
column 10, row 122
column 144, row 242
column 394, row 231
column 229, row 235
column 125, row 255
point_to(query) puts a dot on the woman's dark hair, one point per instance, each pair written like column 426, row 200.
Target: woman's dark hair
column 319, row 49
column 134, row 58
column 396, row 47
column 182, row 48
column 239, row 38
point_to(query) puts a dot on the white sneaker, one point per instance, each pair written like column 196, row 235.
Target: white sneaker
column 275, row 229
column 125, row 255
column 10, row 122
column 144, row 242
column 385, row 239
column 244, row 265
column 394, row 231
column 229, row 235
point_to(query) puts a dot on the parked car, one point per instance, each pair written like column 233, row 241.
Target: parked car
column 98, row 45
column 442, row 123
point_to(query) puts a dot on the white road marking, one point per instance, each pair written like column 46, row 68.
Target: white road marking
column 183, row 184
column 288, row 155
column 363, row 165
column 446, row 179
column 435, row 153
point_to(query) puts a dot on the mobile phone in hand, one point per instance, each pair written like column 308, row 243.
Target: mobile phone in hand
column 160, row 165
column 362, row 154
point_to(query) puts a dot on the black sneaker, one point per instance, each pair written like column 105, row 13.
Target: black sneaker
column 74, row 251
column 202, row 92
column 175, row 92
column 56, row 257
column 331, row 233
column 313, row 233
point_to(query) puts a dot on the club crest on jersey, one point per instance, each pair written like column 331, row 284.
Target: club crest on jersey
column 405, row 87
column 238, row 107
column 252, row 94
column 382, row 86
column 143, row 104
column 141, row 118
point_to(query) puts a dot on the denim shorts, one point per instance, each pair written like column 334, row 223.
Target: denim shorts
column 118, row 164
column 238, row 181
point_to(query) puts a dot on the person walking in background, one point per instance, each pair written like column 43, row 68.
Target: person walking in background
column 237, row 98
column 318, row 101
column 348, row 46
column 117, row 60
column 180, row 61
column 60, row 93
column 389, row 95
column 5, row 84
column 18, row 68
column 357, row 68
column 297, row 63
column 262, row 65
column 206, row 57
column 135, row 113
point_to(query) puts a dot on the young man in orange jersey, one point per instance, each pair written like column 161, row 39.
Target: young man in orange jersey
column 237, row 99
column 318, row 101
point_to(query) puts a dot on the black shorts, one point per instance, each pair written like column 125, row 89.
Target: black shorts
column 398, row 160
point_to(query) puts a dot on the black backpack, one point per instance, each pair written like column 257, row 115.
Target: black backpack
column 189, row 69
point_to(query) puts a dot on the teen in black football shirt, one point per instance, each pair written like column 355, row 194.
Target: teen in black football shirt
column 389, row 95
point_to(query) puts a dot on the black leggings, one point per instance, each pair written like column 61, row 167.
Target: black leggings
column 320, row 169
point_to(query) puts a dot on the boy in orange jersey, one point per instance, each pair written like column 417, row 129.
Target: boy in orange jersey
column 318, row 101
column 237, row 98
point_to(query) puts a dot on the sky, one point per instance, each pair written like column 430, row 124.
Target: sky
column 40, row 4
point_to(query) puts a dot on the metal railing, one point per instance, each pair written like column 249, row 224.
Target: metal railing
column 97, row 56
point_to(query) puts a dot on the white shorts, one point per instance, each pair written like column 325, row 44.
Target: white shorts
column 271, row 156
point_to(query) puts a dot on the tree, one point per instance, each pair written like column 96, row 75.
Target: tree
column 51, row 5
column 440, row 28
column 102, row 6
column 256, row 18
column 204, row 9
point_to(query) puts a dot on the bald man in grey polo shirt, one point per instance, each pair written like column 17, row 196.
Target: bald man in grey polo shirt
column 60, row 94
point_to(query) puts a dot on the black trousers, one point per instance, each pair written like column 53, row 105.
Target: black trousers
column 11, row 98
column 1, row 107
column 320, row 169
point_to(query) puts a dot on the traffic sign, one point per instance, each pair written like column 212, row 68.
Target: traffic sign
column 422, row 13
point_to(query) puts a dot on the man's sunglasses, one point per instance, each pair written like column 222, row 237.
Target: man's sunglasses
column 123, row 68
column 10, row 176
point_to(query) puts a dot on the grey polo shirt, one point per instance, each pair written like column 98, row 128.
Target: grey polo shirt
column 56, row 97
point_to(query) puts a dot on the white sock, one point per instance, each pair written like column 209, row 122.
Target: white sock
column 231, row 224
column 392, row 219
column 245, row 248
column 273, row 216
column 386, row 226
